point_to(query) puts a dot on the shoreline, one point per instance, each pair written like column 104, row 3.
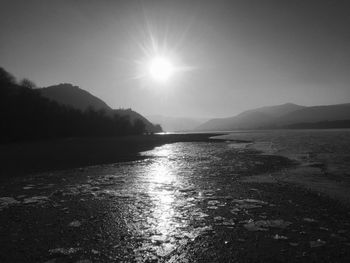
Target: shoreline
column 322, row 166
column 27, row 158
column 307, row 177
column 20, row 159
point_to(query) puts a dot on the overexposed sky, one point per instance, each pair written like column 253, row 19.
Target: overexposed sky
column 237, row 54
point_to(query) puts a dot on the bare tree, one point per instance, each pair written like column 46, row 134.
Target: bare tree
column 27, row 83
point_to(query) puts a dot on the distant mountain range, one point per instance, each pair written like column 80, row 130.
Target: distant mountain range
column 287, row 115
column 67, row 94
column 176, row 124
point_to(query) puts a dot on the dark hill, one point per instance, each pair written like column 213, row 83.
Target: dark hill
column 281, row 116
column 316, row 114
column 26, row 115
column 250, row 119
column 279, row 110
column 75, row 97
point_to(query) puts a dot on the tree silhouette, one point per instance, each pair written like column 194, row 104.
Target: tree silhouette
column 6, row 77
column 27, row 84
column 26, row 115
column 139, row 126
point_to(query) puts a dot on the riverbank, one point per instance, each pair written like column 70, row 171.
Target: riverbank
column 185, row 202
column 31, row 157
column 307, row 176
column 322, row 156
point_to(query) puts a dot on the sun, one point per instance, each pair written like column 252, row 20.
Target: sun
column 161, row 69
column 159, row 62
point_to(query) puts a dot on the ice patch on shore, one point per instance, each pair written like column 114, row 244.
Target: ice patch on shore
column 317, row 243
column 249, row 203
column 264, row 225
column 37, row 200
column 7, row 201
column 75, row 223
column 64, row 251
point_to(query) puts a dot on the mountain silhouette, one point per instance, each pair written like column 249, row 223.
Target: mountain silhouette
column 316, row 114
column 70, row 95
column 26, row 115
column 73, row 96
column 279, row 116
column 250, row 119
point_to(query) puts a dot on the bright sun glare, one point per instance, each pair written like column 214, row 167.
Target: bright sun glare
column 161, row 69
column 161, row 62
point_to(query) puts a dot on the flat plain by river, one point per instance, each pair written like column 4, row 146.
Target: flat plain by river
column 186, row 202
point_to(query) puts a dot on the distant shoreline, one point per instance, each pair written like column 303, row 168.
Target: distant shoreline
column 19, row 159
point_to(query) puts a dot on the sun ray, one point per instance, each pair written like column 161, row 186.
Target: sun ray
column 161, row 60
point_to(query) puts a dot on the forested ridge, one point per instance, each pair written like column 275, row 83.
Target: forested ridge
column 26, row 115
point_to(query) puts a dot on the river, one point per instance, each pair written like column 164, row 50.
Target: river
column 183, row 202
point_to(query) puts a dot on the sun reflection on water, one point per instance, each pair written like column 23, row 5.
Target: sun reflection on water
column 160, row 173
column 161, row 177
column 167, row 185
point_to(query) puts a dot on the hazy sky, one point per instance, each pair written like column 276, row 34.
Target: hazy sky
column 242, row 54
